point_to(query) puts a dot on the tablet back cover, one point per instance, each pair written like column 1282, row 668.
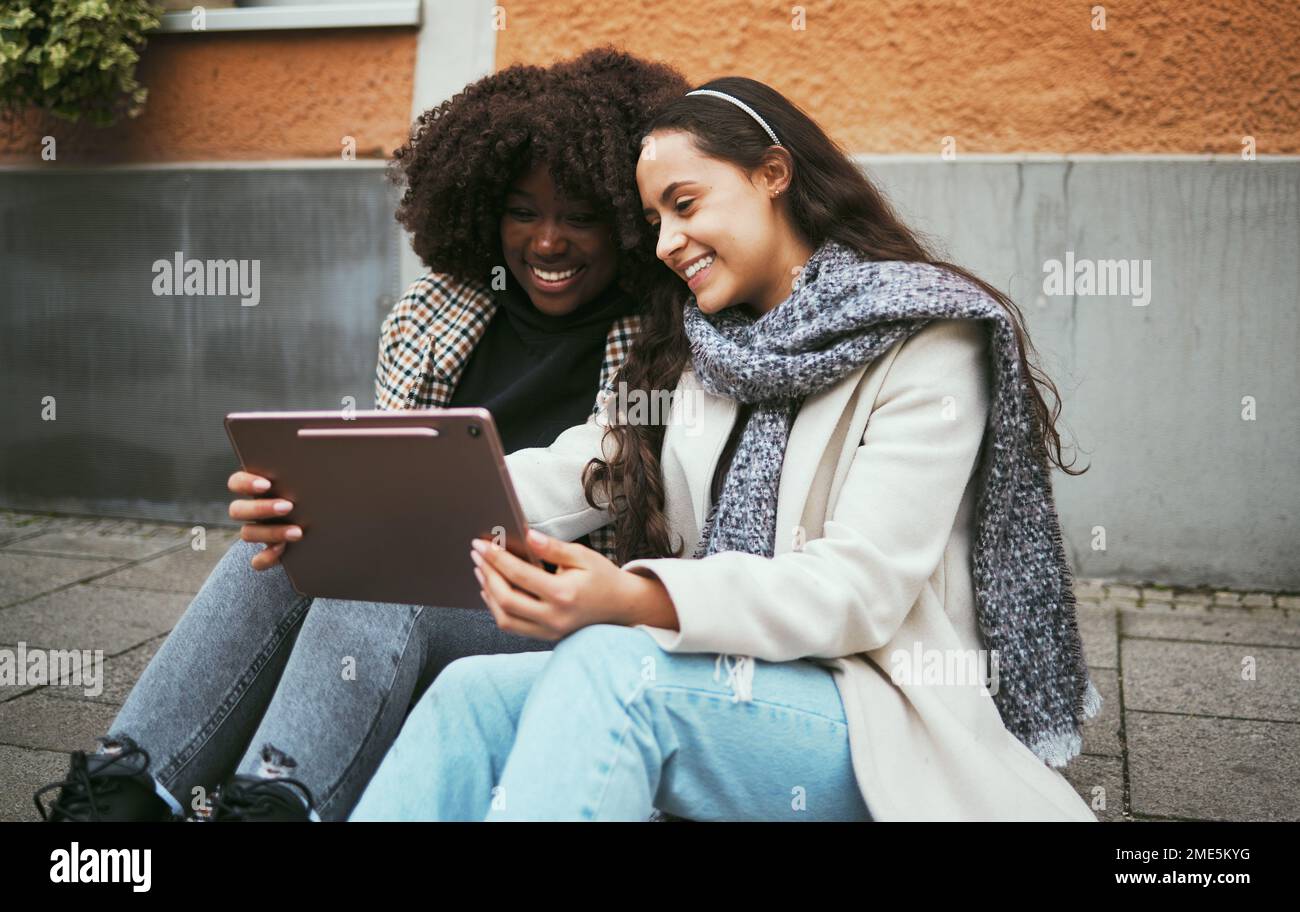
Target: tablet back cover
column 388, row 501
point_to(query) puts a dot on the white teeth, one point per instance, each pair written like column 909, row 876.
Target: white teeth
column 555, row 276
column 697, row 266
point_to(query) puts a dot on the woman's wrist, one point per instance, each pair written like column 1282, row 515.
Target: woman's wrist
column 646, row 601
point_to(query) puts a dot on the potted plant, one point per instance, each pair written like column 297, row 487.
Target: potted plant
column 74, row 57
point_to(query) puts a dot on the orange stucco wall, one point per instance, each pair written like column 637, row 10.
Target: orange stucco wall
column 883, row 76
column 250, row 95
column 891, row 76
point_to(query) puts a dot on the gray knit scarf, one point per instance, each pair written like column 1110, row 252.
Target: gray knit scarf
column 844, row 312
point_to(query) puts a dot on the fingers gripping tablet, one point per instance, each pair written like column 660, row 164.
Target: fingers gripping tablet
column 388, row 501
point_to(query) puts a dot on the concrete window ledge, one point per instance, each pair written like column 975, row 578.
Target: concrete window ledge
column 305, row 15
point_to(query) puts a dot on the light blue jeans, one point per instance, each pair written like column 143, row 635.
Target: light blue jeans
column 608, row 726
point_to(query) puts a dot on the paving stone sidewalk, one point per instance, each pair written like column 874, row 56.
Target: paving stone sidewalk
column 1202, row 689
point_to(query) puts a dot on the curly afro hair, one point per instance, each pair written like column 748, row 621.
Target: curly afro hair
column 583, row 118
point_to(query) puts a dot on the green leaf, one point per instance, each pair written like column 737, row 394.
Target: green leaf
column 16, row 19
column 74, row 58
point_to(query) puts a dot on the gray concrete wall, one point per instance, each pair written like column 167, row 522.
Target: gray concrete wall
column 140, row 383
column 1184, row 488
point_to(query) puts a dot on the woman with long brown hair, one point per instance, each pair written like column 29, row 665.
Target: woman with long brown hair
column 855, row 523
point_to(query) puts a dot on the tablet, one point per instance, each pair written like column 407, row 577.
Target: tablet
column 388, row 501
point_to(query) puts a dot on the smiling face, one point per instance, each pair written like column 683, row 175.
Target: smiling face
column 546, row 237
column 709, row 211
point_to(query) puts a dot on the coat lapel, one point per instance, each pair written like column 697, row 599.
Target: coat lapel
column 806, row 450
column 699, row 443
column 698, row 448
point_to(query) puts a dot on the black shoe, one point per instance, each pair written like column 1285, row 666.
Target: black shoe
column 249, row 799
column 112, row 786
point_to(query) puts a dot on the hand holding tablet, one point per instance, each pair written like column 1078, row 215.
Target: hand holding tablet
column 253, row 509
column 436, row 479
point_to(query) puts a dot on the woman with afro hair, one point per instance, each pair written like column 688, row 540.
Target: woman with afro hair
column 521, row 198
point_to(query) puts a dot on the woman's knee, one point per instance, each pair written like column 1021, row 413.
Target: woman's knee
column 608, row 642
column 610, row 656
column 371, row 627
column 233, row 586
column 237, row 561
column 476, row 680
column 464, row 676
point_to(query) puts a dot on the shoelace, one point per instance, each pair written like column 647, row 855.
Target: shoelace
column 78, row 789
column 241, row 798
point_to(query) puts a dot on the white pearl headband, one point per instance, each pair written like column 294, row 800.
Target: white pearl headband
column 740, row 104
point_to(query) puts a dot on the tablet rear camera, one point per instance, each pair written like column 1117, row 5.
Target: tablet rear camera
column 474, row 430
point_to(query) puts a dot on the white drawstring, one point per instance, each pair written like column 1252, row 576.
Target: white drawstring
column 740, row 676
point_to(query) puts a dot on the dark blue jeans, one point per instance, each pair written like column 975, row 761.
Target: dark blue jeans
column 326, row 683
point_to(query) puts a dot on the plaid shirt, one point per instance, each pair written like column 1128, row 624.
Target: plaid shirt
column 427, row 338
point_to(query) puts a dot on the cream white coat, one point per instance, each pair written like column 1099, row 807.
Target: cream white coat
column 875, row 524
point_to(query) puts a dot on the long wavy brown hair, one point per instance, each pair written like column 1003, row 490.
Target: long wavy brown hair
column 829, row 198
